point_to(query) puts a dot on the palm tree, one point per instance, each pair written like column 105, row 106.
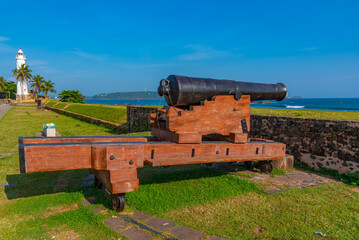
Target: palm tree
column 37, row 84
column 23, row 73
column 48, row 87
column 2, row 84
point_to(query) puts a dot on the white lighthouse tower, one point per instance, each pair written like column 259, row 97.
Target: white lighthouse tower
column 21, row 93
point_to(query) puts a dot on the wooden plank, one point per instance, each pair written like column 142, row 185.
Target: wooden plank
column 83, row 139
column 210, row 159
column 107, row 178
column 53, row 158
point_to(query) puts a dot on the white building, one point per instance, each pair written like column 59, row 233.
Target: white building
column 22, row 92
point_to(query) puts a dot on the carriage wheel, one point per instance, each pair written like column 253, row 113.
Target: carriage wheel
column 98, row 184
column 118, row 201
column 248, row 165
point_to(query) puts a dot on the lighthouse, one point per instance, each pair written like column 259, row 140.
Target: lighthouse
column 22, row 92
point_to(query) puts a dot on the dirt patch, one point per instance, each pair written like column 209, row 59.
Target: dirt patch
column 260, row 229
column 60, row 209
column 63, row 232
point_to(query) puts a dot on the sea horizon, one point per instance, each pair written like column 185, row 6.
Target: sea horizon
column 325, row 104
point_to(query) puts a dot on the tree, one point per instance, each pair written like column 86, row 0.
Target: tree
column 48, row 87
column 73, row 96
column 9, row 90
column 2, row 83
column 37, row 84
column 23, row 73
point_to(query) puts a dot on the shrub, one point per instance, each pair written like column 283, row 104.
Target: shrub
column 72, row 96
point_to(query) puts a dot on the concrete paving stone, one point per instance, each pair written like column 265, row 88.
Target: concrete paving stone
column 89, row 200
column 89, row 177
column 87, row 183
column 136, row 234
column 216, row 238
column 116, row 224
column 141, row 216
column 280, row 178
column 186, row 233
column 98, row 209
column 356, row 189
column 160, row 224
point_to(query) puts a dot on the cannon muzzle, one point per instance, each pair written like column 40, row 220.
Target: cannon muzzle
column 182, row 91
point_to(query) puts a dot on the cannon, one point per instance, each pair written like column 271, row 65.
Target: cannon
column 207, row 121
column 182, row 91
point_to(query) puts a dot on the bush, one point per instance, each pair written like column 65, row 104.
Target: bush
column 72, row 96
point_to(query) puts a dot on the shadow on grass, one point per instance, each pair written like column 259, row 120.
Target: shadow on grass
column 157, row 175
column 34, row 184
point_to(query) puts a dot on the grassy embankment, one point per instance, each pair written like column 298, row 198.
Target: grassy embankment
column 42, row 205
column 307, row 113
column 111, row 113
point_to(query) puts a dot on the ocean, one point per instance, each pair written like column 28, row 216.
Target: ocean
column 329, row 104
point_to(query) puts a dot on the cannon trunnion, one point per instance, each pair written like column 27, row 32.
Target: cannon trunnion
column 207, row 128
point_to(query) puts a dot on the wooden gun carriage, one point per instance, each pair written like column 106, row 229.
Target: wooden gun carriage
column 209, row 128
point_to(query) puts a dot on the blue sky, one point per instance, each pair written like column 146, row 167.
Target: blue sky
column 114, row 46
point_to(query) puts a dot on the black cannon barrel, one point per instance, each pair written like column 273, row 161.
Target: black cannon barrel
column 182, row 91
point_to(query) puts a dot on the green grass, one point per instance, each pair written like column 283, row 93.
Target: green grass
column 43, row 205
column 307, row 113
column 61, row 105
column 13, row 126
column 51, row 103
column 116, row 114
column 296, row 214
column 163, row 190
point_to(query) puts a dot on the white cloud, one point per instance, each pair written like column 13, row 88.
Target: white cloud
column 3, row 39
column 92, row 56
column 200, row 52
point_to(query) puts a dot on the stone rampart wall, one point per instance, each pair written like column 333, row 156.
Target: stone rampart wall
column 317, row 142
column 138, row 118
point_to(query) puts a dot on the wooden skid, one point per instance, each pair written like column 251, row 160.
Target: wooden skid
column 116, row 163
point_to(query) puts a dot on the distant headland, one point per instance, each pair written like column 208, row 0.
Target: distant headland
column 126, row 95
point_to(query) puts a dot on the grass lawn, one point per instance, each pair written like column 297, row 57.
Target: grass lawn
column 111, row 113
column 26, row 121
column 307, row 113
column 61, row 105
column 43, row 205
column 51, row 102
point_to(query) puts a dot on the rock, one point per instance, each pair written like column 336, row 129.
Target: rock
column 285, row 163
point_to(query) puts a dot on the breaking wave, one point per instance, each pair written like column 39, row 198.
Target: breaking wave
column 290, row 106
